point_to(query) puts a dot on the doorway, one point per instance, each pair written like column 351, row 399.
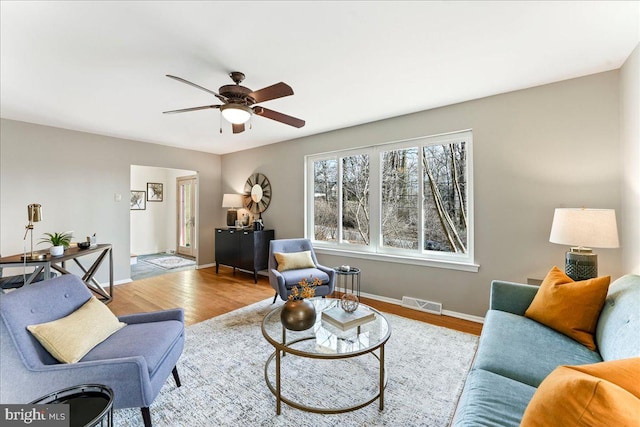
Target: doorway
column 155, row 228
column 186, row 207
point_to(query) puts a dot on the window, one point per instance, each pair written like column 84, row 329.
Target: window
column 409, row 201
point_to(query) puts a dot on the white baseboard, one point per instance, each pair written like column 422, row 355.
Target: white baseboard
column 464, row 316
column 198, row 267
column 120, row 282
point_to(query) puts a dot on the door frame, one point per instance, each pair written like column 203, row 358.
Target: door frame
column 196, row 196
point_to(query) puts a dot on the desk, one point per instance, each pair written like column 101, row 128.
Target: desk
column 58, row 263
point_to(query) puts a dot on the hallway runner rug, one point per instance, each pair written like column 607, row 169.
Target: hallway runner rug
column 169, row 262
column 223, row 384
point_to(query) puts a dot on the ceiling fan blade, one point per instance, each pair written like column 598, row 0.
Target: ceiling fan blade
column 279, row 117
column 184, row 110
column 238, row 128
column 275, row 91
column 220, row 97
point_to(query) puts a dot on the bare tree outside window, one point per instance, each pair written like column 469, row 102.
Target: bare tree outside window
column 355, row 199
column 445, row 204
column 325, row 200
column 421, row 190
column 400, row 192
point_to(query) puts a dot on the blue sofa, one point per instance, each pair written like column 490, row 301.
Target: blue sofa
column 134, row 362
column 516, row 353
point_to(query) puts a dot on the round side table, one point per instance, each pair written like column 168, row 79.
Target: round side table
column 90, row 405
column 349, row 279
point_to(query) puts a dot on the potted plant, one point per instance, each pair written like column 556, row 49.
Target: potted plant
column 299, row 314
column 59, row 242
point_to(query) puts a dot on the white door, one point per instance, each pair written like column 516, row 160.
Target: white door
column 187, row 215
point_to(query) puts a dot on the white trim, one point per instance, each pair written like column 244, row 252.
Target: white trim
column 463, row 316
column 198, row 267
column 375, row 250
column 123, row 281
column 451, row 265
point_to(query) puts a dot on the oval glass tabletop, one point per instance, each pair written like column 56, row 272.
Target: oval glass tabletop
column 325, row 340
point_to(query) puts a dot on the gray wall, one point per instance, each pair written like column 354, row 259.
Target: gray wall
column 74, row 176
column 630, row 139
column 536, row 149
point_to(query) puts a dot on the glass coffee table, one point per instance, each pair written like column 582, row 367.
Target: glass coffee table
column 326, row 342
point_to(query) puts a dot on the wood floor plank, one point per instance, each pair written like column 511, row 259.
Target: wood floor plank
column 203, row 294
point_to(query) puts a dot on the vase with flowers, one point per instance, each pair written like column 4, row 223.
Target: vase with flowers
column 298, row 313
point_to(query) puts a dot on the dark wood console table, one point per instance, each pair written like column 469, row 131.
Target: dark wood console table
column 243, row 249
column 58, row 263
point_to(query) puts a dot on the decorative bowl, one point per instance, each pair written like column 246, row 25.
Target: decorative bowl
column 84, row 245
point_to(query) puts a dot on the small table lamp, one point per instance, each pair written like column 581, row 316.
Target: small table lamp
column 582, row 229
column 34, row 212
column 232, row 201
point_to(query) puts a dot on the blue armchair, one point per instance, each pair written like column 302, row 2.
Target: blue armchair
column 134, row 362
column 283, row 281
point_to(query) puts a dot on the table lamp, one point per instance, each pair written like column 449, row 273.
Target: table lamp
column 583, row 229
column 34, row 212
column 233, row 202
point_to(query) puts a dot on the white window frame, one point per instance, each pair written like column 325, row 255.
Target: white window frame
column 374, row 251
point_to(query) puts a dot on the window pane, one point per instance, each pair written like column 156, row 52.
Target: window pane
column 325, row 200
column 400, row 209
column 355, row 199
column 445, row 201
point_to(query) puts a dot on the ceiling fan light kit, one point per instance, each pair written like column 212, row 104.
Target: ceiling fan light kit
column 237, row 102
column 236, row 113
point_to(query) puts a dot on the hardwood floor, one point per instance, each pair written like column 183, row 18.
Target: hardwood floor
column 204, row 294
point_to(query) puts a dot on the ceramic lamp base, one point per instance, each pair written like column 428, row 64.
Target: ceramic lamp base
column 581, row 264
column 232, row 216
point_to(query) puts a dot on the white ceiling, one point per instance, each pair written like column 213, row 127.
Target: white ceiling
column 100, row 66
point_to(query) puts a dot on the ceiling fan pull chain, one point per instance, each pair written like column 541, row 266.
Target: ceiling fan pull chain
column 220, row 121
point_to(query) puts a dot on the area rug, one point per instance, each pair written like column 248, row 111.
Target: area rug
column 223, row 384
column 169, row 262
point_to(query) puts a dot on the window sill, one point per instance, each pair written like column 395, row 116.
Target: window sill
column 451, row 265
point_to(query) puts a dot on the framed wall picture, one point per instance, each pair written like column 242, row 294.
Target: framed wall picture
column 154, row 192
column 138, row 200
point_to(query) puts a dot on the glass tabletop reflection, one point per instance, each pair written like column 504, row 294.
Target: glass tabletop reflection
column 323, row 339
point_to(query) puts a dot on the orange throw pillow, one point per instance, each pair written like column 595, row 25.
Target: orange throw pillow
column 571, row 308
column 600, row 394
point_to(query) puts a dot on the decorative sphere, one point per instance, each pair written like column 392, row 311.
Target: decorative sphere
column 349, row 303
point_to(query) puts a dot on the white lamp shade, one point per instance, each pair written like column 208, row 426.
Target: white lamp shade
column 593, row 228
column 236, row 113
column 232, row 201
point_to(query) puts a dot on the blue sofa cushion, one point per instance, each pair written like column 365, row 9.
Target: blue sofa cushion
column 618, row 330
column 492, row 400
column 152, row 341
column 525, row 350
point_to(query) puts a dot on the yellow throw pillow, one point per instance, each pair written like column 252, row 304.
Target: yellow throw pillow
column 600, row 394
column 571, row 308
column 69, row 339
column 294, row 260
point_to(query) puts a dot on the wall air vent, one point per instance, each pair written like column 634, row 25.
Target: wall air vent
column 422, row 305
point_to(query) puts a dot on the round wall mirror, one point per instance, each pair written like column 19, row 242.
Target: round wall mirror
column 257, row 193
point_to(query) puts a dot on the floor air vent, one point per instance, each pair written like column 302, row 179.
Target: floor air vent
column 422, row 305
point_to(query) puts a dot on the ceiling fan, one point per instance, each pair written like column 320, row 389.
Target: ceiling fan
column 238, row 102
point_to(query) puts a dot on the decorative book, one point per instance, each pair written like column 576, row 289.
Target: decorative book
column 339, row 318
